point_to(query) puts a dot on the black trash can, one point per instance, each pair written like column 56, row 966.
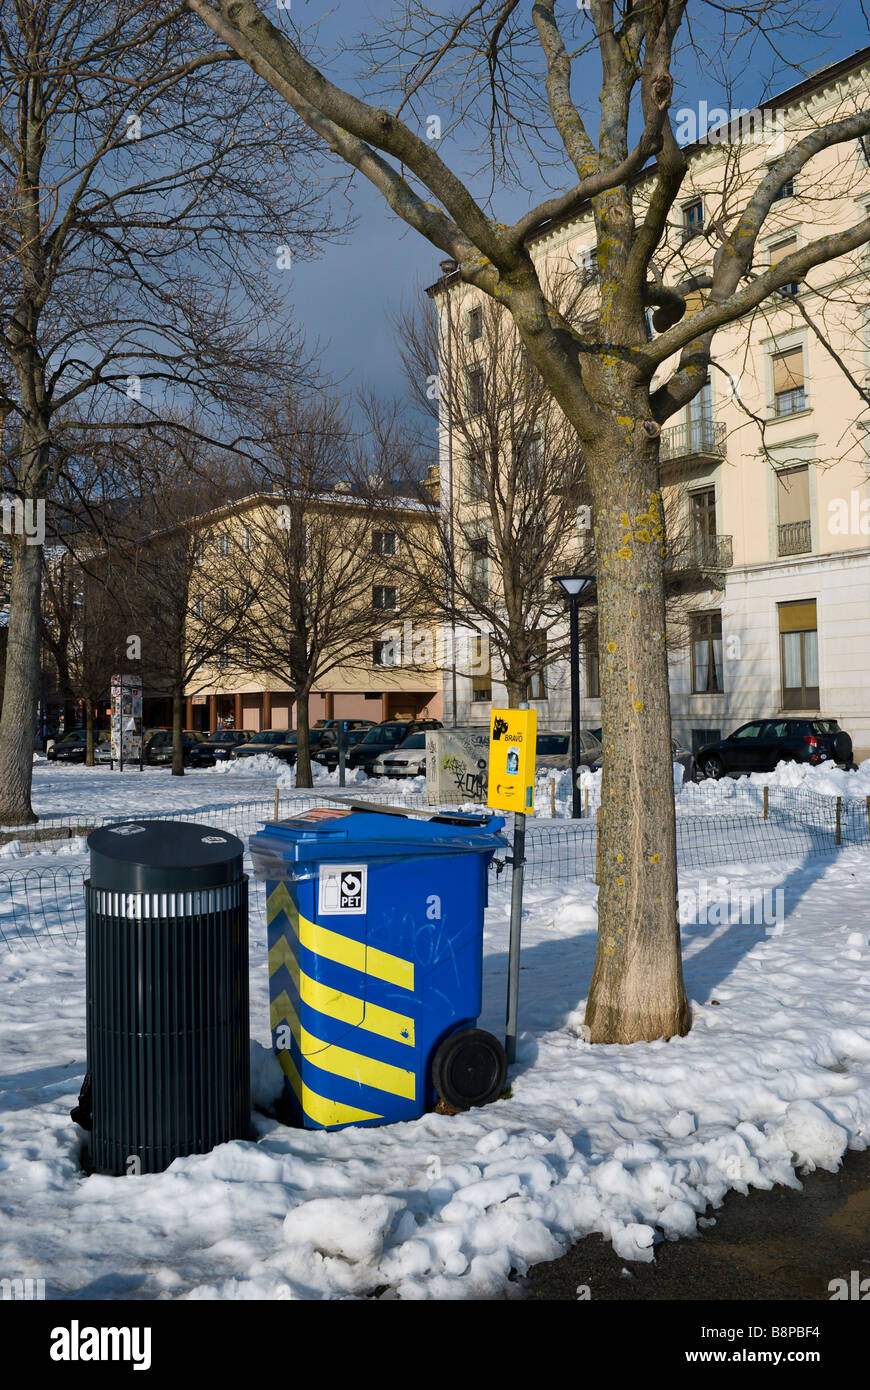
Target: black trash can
column 167, row 995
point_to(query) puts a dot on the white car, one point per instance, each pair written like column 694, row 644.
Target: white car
column 408, row 760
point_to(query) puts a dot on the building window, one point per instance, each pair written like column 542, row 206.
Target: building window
column 248, row 594
column 789, row 391
column 476, row 476
column 384, row 653
column 199, row 553
column 587, row 264
column 777, row 254
column 223, row 601
column 246, row 653
column 223, row 656
column 475, row 392
column 704, row 526
column 223, row 544
column 384, row 542
column 693, row 219
column 199, row 606
column 384, row 596
column 536, row 685
column 481, row 680
column 475, row 324
column 593, row 681
column 787, row 191
column 479, row 569
column 707, row 654
column 794, row 528
column 701, row 737
column 246, row 540
column 799, row 655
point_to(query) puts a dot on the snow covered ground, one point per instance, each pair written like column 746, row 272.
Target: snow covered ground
column 634, row 1142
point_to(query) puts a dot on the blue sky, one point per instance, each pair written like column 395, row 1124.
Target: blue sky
column 345, row 298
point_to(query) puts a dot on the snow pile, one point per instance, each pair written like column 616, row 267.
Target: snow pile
column 633, row 1142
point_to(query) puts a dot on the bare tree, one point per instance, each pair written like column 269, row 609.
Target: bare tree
column 511, row 506
column 171, row 561
column 319, row 575
column 142, row 215
column 511, row 71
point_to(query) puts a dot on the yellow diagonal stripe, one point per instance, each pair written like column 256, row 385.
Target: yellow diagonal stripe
column 367, row 959
column 348, row 1008
column 279, row 900
column 324, row 941
column 318, row 1108
column 353, row 1066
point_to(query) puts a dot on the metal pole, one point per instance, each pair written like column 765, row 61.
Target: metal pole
column 518, row 863
column 342, row 745
column 575, row 705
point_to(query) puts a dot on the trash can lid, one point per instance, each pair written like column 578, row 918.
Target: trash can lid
column 163, row 856
column 326, row 833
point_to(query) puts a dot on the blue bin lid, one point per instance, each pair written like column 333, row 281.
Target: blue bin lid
column 329, row 832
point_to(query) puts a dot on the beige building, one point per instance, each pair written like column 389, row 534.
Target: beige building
column 769, row 466
column 374, row 675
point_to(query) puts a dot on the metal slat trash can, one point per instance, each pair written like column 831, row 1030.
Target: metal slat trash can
column 375, row 932
column 167, row 994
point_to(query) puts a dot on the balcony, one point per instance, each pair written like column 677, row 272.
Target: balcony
column 701, row 440
column 702, row 555
column 695, row 559
column 795, row 538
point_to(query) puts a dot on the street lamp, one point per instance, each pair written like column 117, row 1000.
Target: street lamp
column 574, row 586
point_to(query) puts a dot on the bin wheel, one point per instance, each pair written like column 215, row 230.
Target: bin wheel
column 469, row 1068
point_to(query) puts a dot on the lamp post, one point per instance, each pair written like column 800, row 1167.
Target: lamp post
column 574, row 586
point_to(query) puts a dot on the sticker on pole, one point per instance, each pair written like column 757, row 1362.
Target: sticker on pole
column 343, row 889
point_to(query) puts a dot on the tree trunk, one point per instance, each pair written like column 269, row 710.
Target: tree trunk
column 89, row 732
column 21, row 685
column 177, row 730
column 303, row 746
column 637, row 990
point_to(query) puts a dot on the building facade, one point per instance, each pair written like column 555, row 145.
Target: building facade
column 767, row 469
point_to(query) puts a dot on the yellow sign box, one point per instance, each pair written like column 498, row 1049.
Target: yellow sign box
column 513, row 735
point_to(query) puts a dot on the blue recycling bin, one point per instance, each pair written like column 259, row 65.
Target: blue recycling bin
column 375, row 932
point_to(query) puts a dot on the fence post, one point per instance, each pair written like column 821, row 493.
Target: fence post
column 552, row 798
column 868, row 815
column 586, row 802
column 839, row 807
column 597, row 813
column 765, row 803
column 276, row 803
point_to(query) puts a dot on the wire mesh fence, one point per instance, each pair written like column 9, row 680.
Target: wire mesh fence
column 45, row 904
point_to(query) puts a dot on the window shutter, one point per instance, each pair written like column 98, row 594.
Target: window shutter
column 788, row 370
column 797, row 617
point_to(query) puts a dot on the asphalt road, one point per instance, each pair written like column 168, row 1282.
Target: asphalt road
column 781, row 1244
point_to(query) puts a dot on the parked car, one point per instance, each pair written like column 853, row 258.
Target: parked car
column 281, row 743
column 553, row 750
column 349, row 724
column 266, row 741
column 327, row 754
column 762, row 743
column 218, row 747
column 409, row 759
column 679, row 754
column 69, row 748
column 158, row 748
column 317, row 738
column 385, row 738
